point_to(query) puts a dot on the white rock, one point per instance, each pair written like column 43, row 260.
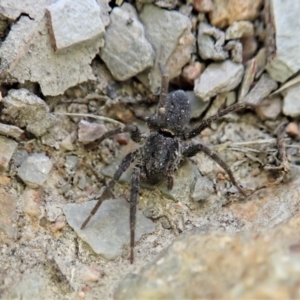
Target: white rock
column 73, row 22
column 291, row 101
column 127, row 51
column 218, row 78
column 7, row 149
column 286, row 21
column 239, row 29
column 35, row 170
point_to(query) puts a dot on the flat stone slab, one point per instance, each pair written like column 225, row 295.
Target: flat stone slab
column 108, row 230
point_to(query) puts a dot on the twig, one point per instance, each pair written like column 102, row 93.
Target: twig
column 92, row 116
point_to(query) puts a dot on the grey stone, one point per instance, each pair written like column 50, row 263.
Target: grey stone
column 19, row 156
column 104, row 11
column 286, row 61
column 11, row 131
column 126, row 52
column 197, row 105
column 74, row 22
column 210, row 42
column 239, row 29
column 54, row 72
column 7, row 149
column 291, row 101
column 184, row 181
column 236, row 50
column 35, row 169
column 34, row 9
column 218, row 78
column 108, row 230
column 71, row 164
column 203, row 188
column 173, row 45
column 25, row 109
column 261, row 90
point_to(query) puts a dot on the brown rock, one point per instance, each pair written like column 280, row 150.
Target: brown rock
column 192, row 71
column 225, row 12
column 270, row 108
column 292, row 129
column 203, row 5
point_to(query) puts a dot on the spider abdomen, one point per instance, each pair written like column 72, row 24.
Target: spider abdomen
column 161, row 155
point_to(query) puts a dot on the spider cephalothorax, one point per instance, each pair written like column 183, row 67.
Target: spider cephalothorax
column 161, row 152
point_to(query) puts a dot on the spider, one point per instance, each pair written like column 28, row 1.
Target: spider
column 163, row 149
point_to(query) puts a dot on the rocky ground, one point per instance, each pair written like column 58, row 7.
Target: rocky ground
column 70, row 71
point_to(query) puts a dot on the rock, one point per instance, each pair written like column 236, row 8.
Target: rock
column 108, row 231
column 31, row 200
column 191, row 71
column 203, row 189
column 104, row 11
column 54, row 72
column 89, row 132
column 35, row 169
column 225, row 12
column 126, row 52
column 71, row 23
column 218, row 78
column 210, row 42
column 285, row 61
column 8, row 214
column 248, row 79
column 7, row 149
column 89, row 274
column 291, row 101
column 173, row 45
column 261, row 90
column 13, row 9
column 292, row 129
column 270, row 108
column 239, row 29
column 11, row 131
column 218, row 103
column 184, row 181
column 25, row 109
column 197, row 105
column 19, row 156
column 236, row 51
column 205, row 264
column 203, row 5
column 250, row 46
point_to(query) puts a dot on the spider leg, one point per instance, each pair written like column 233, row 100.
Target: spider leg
column 163, row 89
column 127, row 160
column 194, row 149
column 135, row 184
column 134, row 131
column 234, row 107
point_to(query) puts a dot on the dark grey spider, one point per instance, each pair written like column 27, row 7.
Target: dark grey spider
column 163, row 150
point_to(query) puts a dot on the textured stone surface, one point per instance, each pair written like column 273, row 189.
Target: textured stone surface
column 35, row 170
column 291, row 101
column 169, row 32
column 88, row 132
column 261, row 90
column 108, row 231
column 218, row 78
column 24, row 109
column 122, row 52
column 210, row 42
column 225, row 12
column 8, row 214
column 239, row 29
column 286, row 61
column 197, row 105
column 74, row 22
column 11, row 131
column 221, row 266
column 54, row 72
column 7, row 149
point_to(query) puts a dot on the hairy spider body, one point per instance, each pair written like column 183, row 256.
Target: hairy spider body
column 160, row 157
column 163, row 149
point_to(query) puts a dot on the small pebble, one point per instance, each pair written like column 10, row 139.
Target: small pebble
column 192, row 71
column 292, row 129
column 89, row 274
column 57, row 226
